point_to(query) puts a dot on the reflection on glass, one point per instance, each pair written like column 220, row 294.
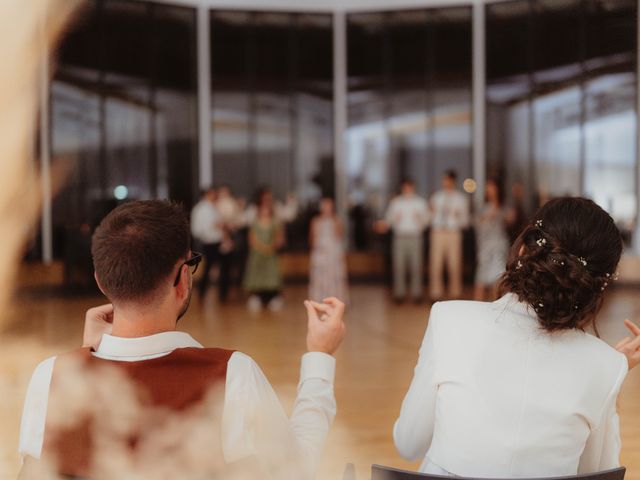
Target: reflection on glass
column 367, row 139
column 509, row 122
column 562, row 118
column 450, row 75
column 272, row 117
column 556, row 73
column 409, row 105
column 556, row 143
column 610, row 109
column 610, row 130
column 123, row 112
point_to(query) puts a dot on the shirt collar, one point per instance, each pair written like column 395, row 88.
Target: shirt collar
column 160, row 343
column 510, row 302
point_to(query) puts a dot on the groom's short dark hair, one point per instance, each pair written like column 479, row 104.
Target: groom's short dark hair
column 137, row 246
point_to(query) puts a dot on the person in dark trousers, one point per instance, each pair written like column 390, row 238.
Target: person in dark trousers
column 206, row 228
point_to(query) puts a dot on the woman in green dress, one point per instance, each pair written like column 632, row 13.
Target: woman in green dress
column 263, row 279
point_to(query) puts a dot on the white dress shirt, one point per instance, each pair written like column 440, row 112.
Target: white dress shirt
column 450, row 210
column 493, row 395
column 407, row 215
column 206, row 222
column 251, row 409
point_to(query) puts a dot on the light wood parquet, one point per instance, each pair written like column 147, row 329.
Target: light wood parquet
column 375, row 363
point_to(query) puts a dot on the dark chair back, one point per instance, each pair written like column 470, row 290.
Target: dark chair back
column 378, row 472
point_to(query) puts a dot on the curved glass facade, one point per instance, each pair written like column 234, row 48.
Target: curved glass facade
column 561, row 118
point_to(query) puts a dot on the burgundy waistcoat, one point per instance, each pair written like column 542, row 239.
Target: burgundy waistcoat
column 91, row 414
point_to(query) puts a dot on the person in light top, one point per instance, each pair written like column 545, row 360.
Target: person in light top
column 449, row 217
column 407, row 216
column 207, row 228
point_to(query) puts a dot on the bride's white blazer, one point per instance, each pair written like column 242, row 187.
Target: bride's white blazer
column 494, row 395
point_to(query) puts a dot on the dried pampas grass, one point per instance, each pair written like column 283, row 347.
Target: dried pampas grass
column 29, row 31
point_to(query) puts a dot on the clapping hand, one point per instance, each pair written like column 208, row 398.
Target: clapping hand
column 326, row 327
column 630, row 346
column 97, row 322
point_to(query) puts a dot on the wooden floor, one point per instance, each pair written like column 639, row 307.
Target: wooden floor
column 375, row 363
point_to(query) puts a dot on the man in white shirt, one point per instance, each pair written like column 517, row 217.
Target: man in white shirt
column 230, row 214
column 449, row 217
column 407, row 216
column 149, row 283
column 207, row 228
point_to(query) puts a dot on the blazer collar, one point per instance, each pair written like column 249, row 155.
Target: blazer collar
column 510, row 303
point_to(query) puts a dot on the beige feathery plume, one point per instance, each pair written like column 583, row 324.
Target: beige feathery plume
column 29, row 30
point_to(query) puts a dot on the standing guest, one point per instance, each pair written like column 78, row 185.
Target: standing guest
column 492, row 243
column 284, row 213
column 407, row 217
column 229, row 211
column 206, row 228
column 134, row 401
column 449, row 217
column 328, row 268
column 262, row 278
column 518, row 387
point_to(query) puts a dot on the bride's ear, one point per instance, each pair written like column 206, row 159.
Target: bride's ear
column 522, row 250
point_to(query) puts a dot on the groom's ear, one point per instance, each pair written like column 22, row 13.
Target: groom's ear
column 95, row 275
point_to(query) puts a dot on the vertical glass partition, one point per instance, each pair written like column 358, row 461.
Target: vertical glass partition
column 409, row 105
column 123, row 112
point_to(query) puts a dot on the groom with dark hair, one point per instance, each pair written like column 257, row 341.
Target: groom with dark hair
column 144, row 266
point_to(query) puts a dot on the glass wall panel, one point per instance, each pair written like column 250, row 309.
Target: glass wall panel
column 272, row 111
column 231, row 81
column 409, row 105
column 561, row 118
column 557, row 39
column 367, row 148
column 313, row 120
column 509, row 81
column 451, row 92
column 123, row 112
column 610, row 108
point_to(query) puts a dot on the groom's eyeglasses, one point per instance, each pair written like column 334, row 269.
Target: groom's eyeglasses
column 192, row 263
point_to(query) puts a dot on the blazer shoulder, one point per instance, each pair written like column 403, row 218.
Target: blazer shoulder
column 458, row 314
column 460, row 309
column 604, row 358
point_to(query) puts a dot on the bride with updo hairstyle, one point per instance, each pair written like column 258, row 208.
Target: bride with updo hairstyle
column 562, row 264
column 523, row 386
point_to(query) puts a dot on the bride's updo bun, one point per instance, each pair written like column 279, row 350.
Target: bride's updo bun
column 563, row 261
